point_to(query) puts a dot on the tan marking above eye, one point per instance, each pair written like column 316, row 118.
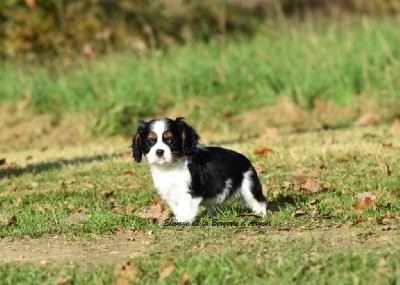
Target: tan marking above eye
column 167, row 134
column 152, row 136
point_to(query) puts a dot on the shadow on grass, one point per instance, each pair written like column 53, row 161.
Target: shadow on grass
column 53, row 165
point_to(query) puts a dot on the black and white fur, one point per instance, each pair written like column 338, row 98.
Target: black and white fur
column 187, row 175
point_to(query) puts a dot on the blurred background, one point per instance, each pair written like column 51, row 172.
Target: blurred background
column 79, row 69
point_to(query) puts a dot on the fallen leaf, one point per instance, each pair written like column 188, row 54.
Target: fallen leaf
column 185, row 279
column 250, row 215
column 263, row 151
column 385, row 168
column 259, row 169
column 127, row 272
column 129, row 209
column 366, row 119
column 128, row 173
column 122, row 231
column 62, row 280
column 389, row 227
column 121, row 209
column 155, row 213
column 30, row 3
column 312, row 185
column 166, row 269
column 270, row 133
column 336, row 212
column 396, row 125
column 155, row 200
column 34, row 184
column 299, row 213
column 365, row 200
column 11, row 221
column 313, row 202
column 395, row 193
column 76, row 217
column 69, row 182
column 387, row 145
column 2, row 161
column 308, row 183
column 108, row 194
column 89, row 185
column 329, row 141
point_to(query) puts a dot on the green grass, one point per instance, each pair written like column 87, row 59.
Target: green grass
column 304, row 61
column 351, row 248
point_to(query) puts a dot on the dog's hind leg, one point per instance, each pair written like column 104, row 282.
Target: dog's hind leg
column 251, row 193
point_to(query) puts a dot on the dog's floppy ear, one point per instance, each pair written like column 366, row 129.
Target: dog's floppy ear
column 190, row 138
column 137, row 145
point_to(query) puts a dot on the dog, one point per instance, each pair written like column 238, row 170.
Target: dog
column 187, row 175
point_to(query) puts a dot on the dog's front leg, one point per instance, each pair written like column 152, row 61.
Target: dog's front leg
column 187, row 208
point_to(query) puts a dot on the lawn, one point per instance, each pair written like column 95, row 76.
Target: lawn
column 354, row 62
column 70, row 214
column 313, row 104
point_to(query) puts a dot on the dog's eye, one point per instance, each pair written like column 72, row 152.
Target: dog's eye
column 170, row 140
column 151, row 141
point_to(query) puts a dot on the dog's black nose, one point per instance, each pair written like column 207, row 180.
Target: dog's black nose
column 159, row 152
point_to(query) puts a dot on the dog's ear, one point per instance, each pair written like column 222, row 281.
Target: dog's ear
column 190, row 138
column 137, row 145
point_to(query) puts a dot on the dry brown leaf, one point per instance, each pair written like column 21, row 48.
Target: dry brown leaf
column 366, row 119
column 30, row 3
column 270, row 134
column 121, row 281
column 387, row 145
column 250, row 215
column 263, row 151
column 365, row 200
column 128, row 173
column 185, row 279
column 166, row 269
column 65, row 183
column 259, row 169
column 121, row 209
column 336, row 212
column 11, row 221
column 155, row 213
column 395, row 193
column 122, row 231
column 396, row 125
column 312, row 185
column 76, row 217
column 385, row 168
column 155, row 200
column 299, row 213
column 129, row 209
column 127, row 271
column 89, row 185
column 308, row 184
column 34, row 184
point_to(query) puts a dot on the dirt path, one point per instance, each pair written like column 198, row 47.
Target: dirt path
column 114, row 249
column 57, row 250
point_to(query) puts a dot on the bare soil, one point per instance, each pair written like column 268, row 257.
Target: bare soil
column 114, row 249
column 61, row 250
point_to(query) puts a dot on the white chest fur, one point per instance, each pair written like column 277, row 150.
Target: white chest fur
column 171, row 181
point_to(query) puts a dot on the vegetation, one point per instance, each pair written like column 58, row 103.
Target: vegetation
column 76, row 213
column 304, row 62
column 32, row 29
column 98, row 191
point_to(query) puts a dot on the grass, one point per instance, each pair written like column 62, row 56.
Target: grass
column 45, row 188
column 304, row 62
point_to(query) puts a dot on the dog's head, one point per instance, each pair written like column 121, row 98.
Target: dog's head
column 163, row 141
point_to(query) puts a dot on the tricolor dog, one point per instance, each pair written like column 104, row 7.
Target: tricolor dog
column 187, row 175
